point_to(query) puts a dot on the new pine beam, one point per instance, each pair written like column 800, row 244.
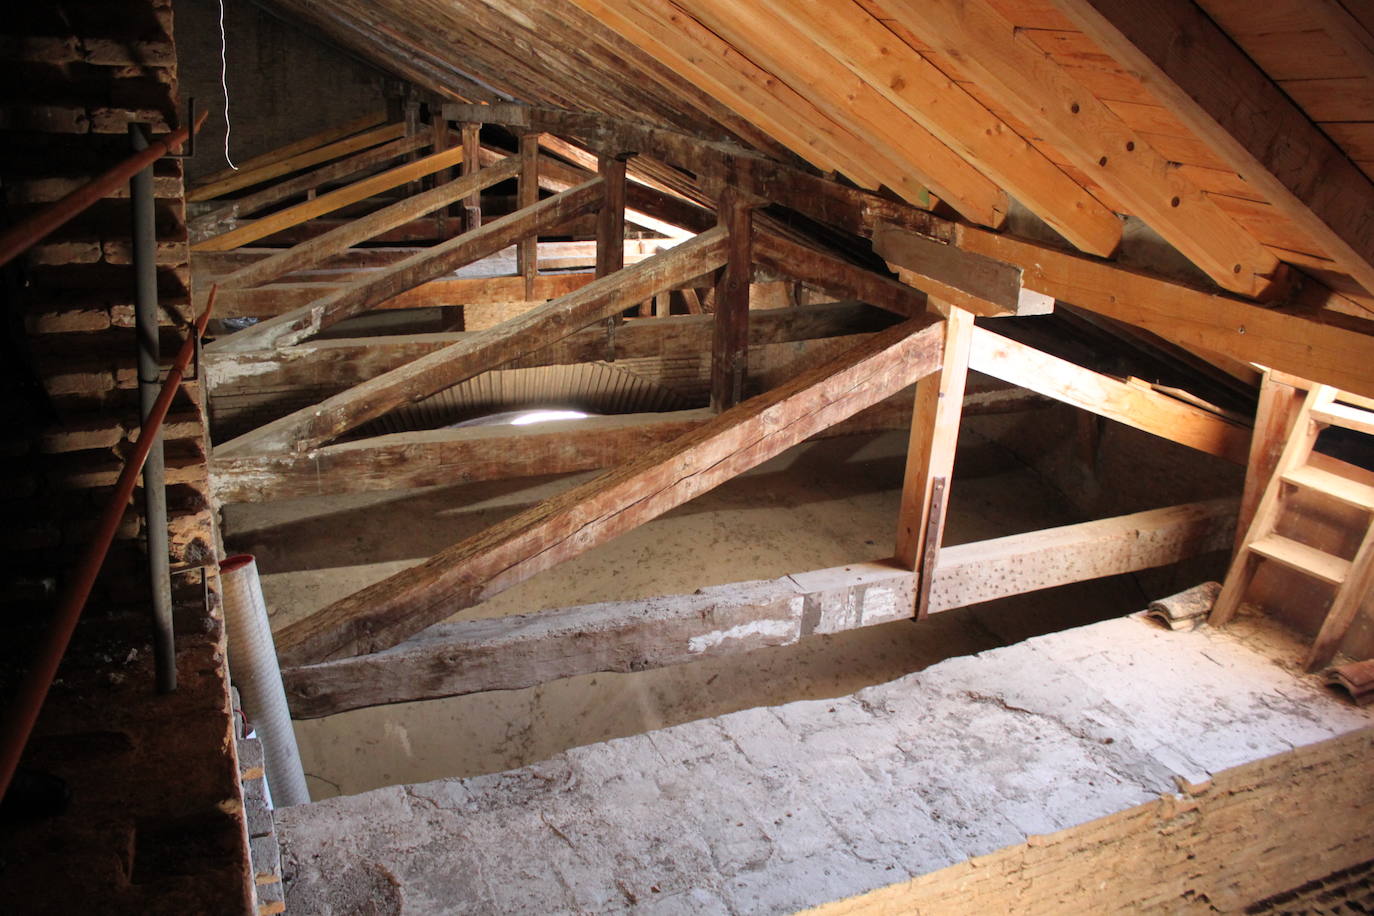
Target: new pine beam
column 328, row 203
column 1324, row 348
column 483, row 350
column 249, row 204
column 930, row 452
column 1134, row 405
column 774, row 43
column 313, row 141
column 314, row 251
column 1233, row 106
column 518, row 651
column 248, row 177
column 642, row 489
column 730, row 345
column 924, row 94
column 428, row 264
column 1009, row 67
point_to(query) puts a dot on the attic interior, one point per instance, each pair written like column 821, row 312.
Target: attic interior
column 688, row 456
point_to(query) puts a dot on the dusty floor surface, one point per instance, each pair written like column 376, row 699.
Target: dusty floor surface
column 821, row 504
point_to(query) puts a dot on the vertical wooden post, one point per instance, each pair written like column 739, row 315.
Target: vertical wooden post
column 527, row 250
column 730, row 346
column 443, row 139
column 934, row 435
column 610, row 232
column 472, row 161
column 1279, row 404
column 412, row 115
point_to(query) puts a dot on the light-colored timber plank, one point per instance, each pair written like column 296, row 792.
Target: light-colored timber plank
column 249, row 177
column 1304, row 559
column 1342, row 489
column 347, row 129
column 328, row 203
column 316, row 250
column 1133, row 405
column 1036, row 89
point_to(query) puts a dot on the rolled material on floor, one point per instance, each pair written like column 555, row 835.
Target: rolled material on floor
column 1188, row 609
column 253, row 669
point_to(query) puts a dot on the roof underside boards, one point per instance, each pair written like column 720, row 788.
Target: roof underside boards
column 975, row 101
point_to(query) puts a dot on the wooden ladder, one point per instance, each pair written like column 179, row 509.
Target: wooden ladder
column 1352, row 579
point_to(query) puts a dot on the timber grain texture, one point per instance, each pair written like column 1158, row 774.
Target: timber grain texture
column 544, row 535
column 508, row 653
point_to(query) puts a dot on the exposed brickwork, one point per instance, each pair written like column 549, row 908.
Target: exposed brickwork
column 154, row 821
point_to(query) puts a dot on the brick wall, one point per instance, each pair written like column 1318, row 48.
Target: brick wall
column 153, row 819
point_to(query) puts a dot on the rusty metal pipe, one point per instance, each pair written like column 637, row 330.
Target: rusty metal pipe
column 27, row 233
column 33, row 691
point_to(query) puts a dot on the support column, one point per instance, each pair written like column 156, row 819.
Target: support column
column 930, row 455
column 610, row 232
column 472, row 161
column 730, row 346
column 527, row 251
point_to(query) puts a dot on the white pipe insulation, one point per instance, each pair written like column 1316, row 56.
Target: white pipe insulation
column 253, row 669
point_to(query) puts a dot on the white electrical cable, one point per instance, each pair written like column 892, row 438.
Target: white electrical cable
column 224, row 83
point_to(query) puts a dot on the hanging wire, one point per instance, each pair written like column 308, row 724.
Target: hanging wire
column 224, row 83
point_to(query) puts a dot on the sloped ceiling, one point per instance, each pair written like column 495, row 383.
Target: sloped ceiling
column 975, row 101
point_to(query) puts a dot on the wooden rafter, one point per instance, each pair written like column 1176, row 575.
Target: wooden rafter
column 428, row 264
column 741, row 438
column 484, row 350
column 1231, row 104
column 1036, row 89
column 957, row 119
column 773, row 42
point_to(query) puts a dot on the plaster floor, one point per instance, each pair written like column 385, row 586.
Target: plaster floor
column 820, row 504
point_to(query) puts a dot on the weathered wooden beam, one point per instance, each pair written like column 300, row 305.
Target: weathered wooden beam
column 1232, row 105
column 483, row 350
column 730, row 345
column 1318, row 346
column 1134, row 405
column 247, row 177
column 527, row 253
column 643, row 488
column 446, row 257
column 1010, row 68
column 328, row 203
column 313, row 252
column 610, row 217
column 345, row 362
column 513, row 652
column 968, row 281
column 472, row 156
column 934, row 437
column 835, row 275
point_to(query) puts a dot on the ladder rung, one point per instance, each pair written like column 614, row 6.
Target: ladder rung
column 1350, row 492
column 1343, row 415
column 1302, row 558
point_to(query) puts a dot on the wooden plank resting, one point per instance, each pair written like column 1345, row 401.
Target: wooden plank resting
column 577, row 520
column 509, row 653
column 1134, row 405
column 428, row 264
column 316, row 250
column 484, row 350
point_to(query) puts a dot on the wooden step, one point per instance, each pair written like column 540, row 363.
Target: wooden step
column 1304, row 559
column 1344, row 415
column 1342, row 489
